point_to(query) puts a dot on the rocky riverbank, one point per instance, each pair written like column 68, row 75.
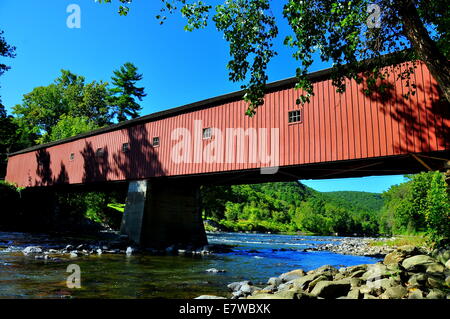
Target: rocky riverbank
column 357, row 246
column 405, row 273
column 58, row 248
column 70, row 251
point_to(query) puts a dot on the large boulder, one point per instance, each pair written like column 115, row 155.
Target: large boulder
column 326, row 269
column 331, row 289
column 292, row 275
column 354, row 294
column 396, row 292
column 415, row 294
column 314, row 282
column 435, row 268
column 397, row 256
column 236, row 286
column 442, row 255
column 274, row 281
column 436, row 294
column 394, row 258
column 417, row 263
column 375, row 272
column 417, row 280
column 303, row 282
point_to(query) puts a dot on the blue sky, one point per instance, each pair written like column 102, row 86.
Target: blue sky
column 179, row 67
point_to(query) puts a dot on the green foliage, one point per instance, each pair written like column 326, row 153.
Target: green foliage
column 95, row 206
column 419, row 205
column 290, row 207
column 343, row 32
column 437, row 209
column 68, row 96
column 355, row 201
column 70, row 106
column 6, row 51
column 68, row 126
column 125, row 91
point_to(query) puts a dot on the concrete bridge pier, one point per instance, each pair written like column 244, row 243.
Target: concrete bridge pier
column 160, row 214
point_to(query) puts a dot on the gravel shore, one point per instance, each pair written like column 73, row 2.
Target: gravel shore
column 357, row 246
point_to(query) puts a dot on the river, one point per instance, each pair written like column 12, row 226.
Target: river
column 254, row 257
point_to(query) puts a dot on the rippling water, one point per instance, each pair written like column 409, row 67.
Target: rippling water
column 254, row 257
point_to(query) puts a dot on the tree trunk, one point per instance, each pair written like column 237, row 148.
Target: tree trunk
column 424, row 46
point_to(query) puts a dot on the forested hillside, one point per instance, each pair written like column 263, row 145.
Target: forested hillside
column 420, row 205
column 290, row 207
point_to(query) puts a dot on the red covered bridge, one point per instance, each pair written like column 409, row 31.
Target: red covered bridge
column 335, row 135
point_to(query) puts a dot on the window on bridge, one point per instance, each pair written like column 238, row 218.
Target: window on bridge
column 72, row 156
column 99, row 152
column 207, row 133
column 294, row 116
column 125, row 147
column 155, row 141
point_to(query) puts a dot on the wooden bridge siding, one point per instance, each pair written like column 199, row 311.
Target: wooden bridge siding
column 335, row 127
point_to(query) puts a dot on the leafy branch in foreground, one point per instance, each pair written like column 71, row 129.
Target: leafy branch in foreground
column 343, row 32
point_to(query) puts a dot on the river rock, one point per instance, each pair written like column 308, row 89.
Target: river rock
column 291, row 275
column 353, row 269
column 247, row 289
column 303, row 282
column 129, row 251
column 436, row 294
column 435, row 268
column 434, row 282
column 358, row 274
column 236, row 286
column 331, row 289
column 395, row 257
column 32, row 250
column 415, row 294
column 396, row 292
column 442, row 255
column 354, row 294
column 375, row 272
column 327, row 269
column 382, row 284
column 214, row 270
column 417, row 280
column 209, row 297
column 417, row 263
column 286, row 294
column 274, row 281
column 320, row 278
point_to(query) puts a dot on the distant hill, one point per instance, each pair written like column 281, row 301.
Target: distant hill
column 355, row 201
column 291, row 206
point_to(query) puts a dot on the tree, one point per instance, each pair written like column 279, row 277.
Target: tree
column 68, row 126
column 437, row 211
column 43, row 107
column 125, row 91
column 344, row 32
column 7, row 51
column 8, row 136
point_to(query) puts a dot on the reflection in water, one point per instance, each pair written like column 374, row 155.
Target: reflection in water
column 255, row 257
